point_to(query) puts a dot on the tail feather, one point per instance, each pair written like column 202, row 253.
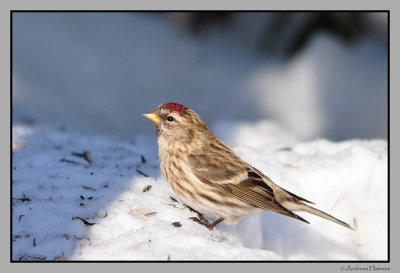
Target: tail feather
column 324, row 215
column 298, row 197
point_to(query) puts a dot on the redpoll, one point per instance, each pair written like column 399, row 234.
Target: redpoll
column 210, row 178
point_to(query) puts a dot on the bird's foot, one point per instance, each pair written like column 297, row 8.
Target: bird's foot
column 216, row 222
column 203, row 221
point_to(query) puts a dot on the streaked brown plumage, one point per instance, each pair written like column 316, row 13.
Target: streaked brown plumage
column 210, row 178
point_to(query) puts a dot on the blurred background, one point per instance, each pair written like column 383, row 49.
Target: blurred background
column 315, row 74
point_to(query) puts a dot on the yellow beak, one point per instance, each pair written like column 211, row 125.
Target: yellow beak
column 153, row 117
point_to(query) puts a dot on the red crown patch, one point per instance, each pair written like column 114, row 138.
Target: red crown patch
column 174, row 107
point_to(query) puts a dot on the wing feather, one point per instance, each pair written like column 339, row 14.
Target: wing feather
column 239, row 180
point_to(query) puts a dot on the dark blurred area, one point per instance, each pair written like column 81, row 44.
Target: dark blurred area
column 195, row 23
column 294, row 29
column 318, row 74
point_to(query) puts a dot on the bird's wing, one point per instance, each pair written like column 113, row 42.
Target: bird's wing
column 238, row 179
column 219, row 167
column 287, row 195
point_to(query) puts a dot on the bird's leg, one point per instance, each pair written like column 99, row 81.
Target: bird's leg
column 202, row 220
column 206, row 223
column 216, row 222
column 199, row 219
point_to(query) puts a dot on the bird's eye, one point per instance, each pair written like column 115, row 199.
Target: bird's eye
column 170, row 118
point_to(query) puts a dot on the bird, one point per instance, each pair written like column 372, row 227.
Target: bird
column 211, row 179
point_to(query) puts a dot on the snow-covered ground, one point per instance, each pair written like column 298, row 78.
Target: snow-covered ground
column 118, row 207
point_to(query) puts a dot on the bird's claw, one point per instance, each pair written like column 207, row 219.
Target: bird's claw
column 202, row 221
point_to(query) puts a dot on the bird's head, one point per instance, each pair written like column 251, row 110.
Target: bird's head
column 176, row 122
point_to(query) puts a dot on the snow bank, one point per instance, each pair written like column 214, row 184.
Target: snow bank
column 118, row 207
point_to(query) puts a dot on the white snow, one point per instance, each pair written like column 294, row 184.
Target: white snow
column 346, row 179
